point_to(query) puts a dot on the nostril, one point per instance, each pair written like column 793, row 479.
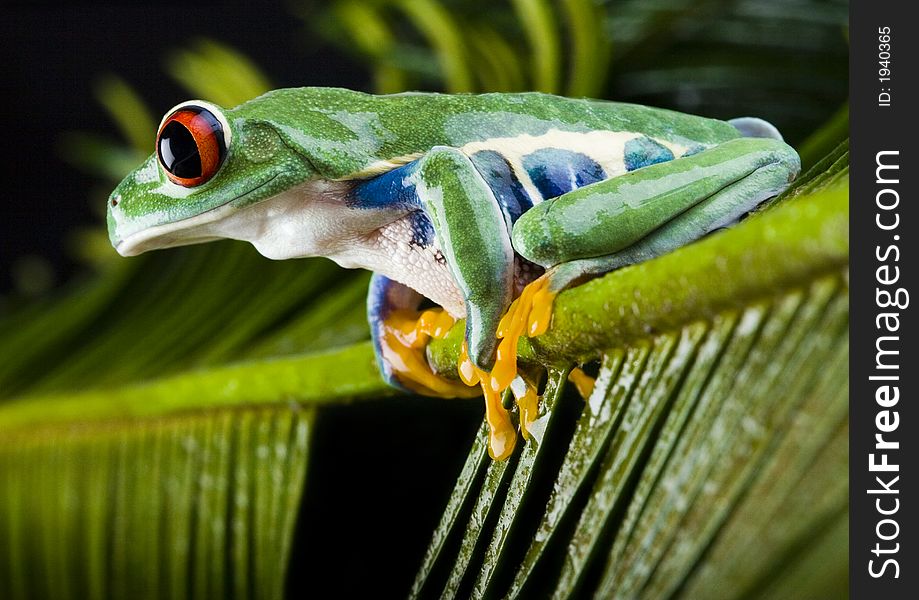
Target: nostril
column 116, row 200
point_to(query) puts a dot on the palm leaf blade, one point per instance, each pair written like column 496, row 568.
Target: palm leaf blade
column 191, row 484
column 149, row 510
column 699, row 439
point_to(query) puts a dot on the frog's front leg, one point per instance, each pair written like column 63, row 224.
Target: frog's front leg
column 474, row 235
column 643, row 214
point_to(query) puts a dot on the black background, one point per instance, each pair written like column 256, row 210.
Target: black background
column 53, row 55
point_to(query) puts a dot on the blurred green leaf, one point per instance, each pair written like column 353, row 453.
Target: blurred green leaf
column 443, row 34
column 538, row 22
column 590, row 49
column 129, row 112
column 821, row 142
column 784, row 61
column 500, row 69
column 217, row 73
column 100, row 157
column 372, row 37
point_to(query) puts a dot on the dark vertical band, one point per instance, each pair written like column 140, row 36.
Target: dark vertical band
column 884, row 437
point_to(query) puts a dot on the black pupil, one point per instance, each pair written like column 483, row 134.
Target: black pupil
column 178, row 151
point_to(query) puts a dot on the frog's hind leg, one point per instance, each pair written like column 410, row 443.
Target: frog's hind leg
column 651, row 211
column 632, row 218
column 400, row 334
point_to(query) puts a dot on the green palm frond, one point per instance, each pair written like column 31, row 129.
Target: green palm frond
column 206, row 423
column 467, row 47
column 198, row 506
column 719, row 409
column 710, row 455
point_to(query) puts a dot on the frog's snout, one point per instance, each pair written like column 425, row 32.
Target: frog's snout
column 114, row 200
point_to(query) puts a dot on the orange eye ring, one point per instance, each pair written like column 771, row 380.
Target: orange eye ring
column 191, row 145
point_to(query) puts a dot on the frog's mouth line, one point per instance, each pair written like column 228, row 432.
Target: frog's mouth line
column 181, row 233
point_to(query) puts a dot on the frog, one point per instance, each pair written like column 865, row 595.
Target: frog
column 480, row 207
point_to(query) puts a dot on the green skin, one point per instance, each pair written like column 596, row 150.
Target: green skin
column 294, row 155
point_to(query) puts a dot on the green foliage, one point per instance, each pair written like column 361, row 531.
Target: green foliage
column 218, row 73
column 689, row 413
column 157, row 419
column 473, row 46
column 711, row 457
column 784, row 61
column 199, row 506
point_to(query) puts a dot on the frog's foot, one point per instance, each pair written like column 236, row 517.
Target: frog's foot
column 502, row 437
column 583, row 382
column 402, row 343
column 527, row 404
column 529, row 314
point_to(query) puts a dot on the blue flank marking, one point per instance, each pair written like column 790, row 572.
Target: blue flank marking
column 511, row 196
column 643, row 151
column 393, row 190
column 422, row 229
column 387, row 190
column 555, row 172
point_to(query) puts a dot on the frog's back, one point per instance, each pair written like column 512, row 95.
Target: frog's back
column 352, row 134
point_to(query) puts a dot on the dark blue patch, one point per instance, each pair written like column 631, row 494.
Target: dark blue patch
column 500, row 178
column 555, row 172
column 643, row 151
column 387, row 190
column 422, row 229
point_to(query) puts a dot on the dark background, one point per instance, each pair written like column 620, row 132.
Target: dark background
column 52, row 56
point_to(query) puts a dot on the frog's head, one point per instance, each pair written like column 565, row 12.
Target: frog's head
column 208, row 164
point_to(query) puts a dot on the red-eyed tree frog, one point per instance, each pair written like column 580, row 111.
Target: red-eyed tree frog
column 469, row 201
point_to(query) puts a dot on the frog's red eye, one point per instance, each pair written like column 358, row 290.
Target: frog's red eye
column 191, row 145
